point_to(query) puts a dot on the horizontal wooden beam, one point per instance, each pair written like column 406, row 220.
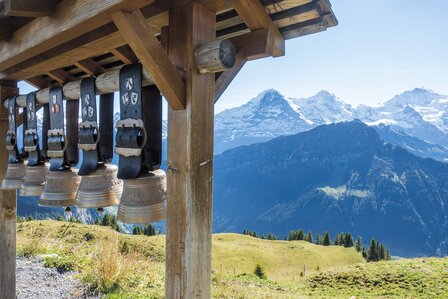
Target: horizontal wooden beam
column 38, row 82
column 29, row 8
column 105, row 83
column 8, row 25
column 255, row 17
column 70, row 20
column 153, row 57
column 98, row 41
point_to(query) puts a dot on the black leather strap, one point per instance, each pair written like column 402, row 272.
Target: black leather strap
column 24, row 152
column 131, row 135
column 72, row 117
column 88, row 130
column 57, row 142
column 11, row 135
column 31, row 138
column 152, row 118
column 106, row 127
column 45, row 128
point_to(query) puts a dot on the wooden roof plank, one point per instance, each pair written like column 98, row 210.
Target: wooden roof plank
column 153, row 57
column 29, row 8
column 61, row 76
column 70, row 20
column 125, row 54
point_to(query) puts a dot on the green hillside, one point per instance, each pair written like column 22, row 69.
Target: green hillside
column 123, row 266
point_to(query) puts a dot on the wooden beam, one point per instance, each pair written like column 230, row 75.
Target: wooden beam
column 7, row 208
column 38, row 82
column 90, row 67
column 225, row 78
column 29, row 8
column 8, row 25
column 61, row 76
column 98, row 41
column 255, row 17
column 70, row 20
column 148, row 49
column 190, row 160
column 125, row 54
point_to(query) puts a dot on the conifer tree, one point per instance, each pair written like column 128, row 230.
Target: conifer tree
column 372, row 253
column 260, row 272
column 326, row 239
column 348, row 240
column 317, row 240
column 358, row 244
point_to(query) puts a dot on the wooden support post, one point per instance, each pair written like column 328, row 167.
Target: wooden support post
column 7, row 208
column 190, row 160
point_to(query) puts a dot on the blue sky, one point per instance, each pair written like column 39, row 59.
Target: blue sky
column 379, row 49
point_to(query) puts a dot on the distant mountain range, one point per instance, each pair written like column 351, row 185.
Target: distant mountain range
column 337, row 177
column 417, row 114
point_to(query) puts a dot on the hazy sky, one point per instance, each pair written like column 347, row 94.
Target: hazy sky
column 379, row 49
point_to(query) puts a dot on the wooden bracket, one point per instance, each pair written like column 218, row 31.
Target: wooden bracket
column 255, row 17
column 151, row 54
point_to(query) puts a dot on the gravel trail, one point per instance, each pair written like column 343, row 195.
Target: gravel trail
column 34, row 281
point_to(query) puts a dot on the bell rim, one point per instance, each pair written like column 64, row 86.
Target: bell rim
column 90, row 200
column 31, row 190
column 11, row 184
column 141, row 214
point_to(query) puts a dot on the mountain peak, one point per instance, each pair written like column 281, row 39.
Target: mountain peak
column 416, row 96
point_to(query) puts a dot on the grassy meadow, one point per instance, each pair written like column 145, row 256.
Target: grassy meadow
column 125, row 266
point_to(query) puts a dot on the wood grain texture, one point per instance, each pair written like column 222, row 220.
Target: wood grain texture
column 151, row 54
column 70, row 20
column 29, row 8
column 7, row 211
column 190, row 160
column 90, row 67
column 256, row 17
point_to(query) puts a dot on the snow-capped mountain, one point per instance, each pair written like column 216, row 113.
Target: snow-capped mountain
column 267, row 116
column 419, row 113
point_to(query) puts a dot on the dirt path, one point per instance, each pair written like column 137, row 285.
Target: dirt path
column 37, row 282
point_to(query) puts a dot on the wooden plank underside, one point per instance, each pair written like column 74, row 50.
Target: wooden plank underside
column 29, row 8
column 148, row 49
column 70, row 20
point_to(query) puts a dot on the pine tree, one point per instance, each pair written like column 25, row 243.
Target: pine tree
column 364, row 252
column 326, row 239
column 149, row 230
column 137, row 230
column 348, row 240
column 260, row 272
column 358, row 244
column 372, row 253
column 336, row 240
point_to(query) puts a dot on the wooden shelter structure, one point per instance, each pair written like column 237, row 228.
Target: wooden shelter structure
column 48, row 42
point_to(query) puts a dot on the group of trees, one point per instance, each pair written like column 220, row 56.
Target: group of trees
column 147, row 230
column 375, row 252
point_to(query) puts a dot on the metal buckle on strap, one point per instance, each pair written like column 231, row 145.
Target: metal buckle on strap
column 31, row 140
column 88, row 128
column 56, row 137
column 11, row 140
column 131, row 137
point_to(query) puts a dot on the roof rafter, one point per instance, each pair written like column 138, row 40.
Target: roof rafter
column 70, row 20
column 153, row 57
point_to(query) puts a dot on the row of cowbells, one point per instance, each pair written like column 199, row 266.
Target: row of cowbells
column 141, row 200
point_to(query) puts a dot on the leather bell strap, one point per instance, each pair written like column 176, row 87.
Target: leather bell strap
column 131, row 135
column 45, row 128
column 106, row 127
column 11, row 135
column 31, row 138
column 57, row 141
column 88, row 137
column 24, row 152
